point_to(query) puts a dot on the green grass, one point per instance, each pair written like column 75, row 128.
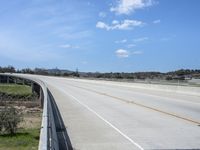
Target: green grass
column 15, row 89
column 24, row 140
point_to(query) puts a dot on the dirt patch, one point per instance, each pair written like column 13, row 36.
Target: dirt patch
column 31, row 116
column 31, row 119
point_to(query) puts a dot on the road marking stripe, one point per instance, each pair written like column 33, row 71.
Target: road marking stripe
column 158, row 110
column 141, row 105
column 106, row 121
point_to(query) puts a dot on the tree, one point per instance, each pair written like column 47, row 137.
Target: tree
column 27, row 70
column 10, row 69
column 10, row 118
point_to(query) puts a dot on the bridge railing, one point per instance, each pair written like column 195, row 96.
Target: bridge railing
column 48, row 135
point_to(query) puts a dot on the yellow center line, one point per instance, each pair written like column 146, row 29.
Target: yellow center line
column 141, row 105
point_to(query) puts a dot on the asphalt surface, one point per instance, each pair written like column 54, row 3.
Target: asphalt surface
column 102, row 115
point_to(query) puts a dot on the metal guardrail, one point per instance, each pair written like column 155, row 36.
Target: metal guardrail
column 53, row 134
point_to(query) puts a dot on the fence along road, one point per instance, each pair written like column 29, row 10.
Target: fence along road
column 109, row 115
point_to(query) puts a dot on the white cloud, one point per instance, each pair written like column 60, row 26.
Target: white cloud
column 68, row 46
column 123, row 25
column 102, row 25
column 102, row 14
column 121, row 41
column 115, row 22
column 156, row 21
column 121, row 53
column 140, row 39
column 128, row 6
column 127, row 24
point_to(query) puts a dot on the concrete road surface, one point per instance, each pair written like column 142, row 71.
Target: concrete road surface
column 102, row 115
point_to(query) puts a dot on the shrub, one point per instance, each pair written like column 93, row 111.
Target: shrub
column 10, row 118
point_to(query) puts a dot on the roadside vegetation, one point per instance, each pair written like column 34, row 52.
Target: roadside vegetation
column 18, row 95
column 20, row 118
column 15, row 90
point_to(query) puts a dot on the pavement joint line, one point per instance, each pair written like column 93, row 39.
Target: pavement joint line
column 142, row 105
column 106, row 121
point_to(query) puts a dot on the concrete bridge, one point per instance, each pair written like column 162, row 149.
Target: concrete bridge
column 84, row 114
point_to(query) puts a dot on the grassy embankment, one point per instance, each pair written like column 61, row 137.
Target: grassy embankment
column 14, row 89
column 27, row 136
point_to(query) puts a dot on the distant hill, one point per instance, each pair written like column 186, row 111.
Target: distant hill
column 58, row 71
column 182, row 74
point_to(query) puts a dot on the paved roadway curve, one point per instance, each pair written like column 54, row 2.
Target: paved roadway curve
column 102, row 115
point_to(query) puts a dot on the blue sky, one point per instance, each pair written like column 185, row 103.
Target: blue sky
column 96, row 35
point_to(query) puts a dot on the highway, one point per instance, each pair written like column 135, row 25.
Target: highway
column 102, row 115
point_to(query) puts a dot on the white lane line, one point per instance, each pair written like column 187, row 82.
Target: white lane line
column 110, row 124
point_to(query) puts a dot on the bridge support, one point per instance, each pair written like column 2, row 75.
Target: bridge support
column 4, row 79
column 38, row 90
column 8, row 80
